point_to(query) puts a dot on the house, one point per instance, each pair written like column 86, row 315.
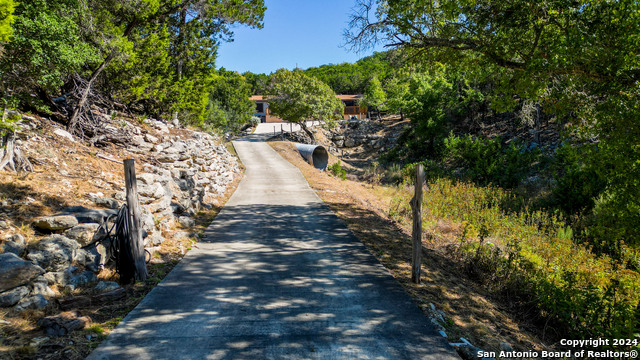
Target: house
column 262, row 110
column 351, row 108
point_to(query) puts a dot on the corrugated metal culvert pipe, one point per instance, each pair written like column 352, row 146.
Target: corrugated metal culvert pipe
column 315, row 155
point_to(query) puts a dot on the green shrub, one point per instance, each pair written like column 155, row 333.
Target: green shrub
column 394, row 174
column 488, row 161
column 531, row 254
column 576, row 184
column 337, row 171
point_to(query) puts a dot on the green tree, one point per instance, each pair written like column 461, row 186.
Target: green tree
column 349, row 78
column 579, row 59
column 6, row 19
column 229, row 107
column 397, row 90
column 296, row 98
column 258, row 82
column 47, row 47
column 374, row 96
column 194, row 29
column 594, row 39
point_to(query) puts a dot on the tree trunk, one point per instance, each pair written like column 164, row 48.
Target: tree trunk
column 7, row 151
column 12, row 156
column 304, row 127
column 538, row 124
column 183, row 22
column 85, row 93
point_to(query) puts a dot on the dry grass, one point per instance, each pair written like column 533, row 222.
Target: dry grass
column 470, row 310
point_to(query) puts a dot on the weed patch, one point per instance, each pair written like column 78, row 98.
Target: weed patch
column 531, row 253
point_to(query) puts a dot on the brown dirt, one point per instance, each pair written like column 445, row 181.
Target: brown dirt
column 470, row 311
column 64, row 174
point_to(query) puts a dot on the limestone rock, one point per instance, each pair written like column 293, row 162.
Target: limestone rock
column 12, row 247
column 55, row 253
column 106, row 202
column 159, row 205
column 89, row 259
column 56, row 222
column 63, row 323
column 168, row 157
column 146, row 178
column 150, row 138
column 15, row 272
column 19, row 239
column 104, row 286
column 57, row 277
column 32, row 302
column 11, row 297
column 186, row 221
column 83, row 233
column 182, row 235
column 147, row 220
column 87, row 215
column 155, row 191
column 82, row 279
column 156, row 238
column 64, row 134
column 42, row 288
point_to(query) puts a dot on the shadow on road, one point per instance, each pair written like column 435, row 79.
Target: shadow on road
column 281, row 282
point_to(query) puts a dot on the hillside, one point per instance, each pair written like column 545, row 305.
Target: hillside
column 49, row 219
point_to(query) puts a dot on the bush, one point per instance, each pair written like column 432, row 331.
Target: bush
column 576, row 184
column 489, row 161
column 531, row 254
column 337, row 171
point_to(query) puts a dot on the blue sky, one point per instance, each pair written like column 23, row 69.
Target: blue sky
column 296, row 32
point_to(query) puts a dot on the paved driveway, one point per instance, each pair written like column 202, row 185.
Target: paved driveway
column 277, row 276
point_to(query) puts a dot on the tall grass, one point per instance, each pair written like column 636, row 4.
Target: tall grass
column 531, row 254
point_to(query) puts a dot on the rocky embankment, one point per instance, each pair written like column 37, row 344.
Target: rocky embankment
column 179, row 172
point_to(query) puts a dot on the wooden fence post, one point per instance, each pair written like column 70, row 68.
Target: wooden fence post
column 133, row 220
column 416, row 207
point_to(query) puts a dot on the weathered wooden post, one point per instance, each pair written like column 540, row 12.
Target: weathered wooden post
column 416, row 207
column 133, row 221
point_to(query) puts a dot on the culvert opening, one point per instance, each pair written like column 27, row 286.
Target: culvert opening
column 315, row 155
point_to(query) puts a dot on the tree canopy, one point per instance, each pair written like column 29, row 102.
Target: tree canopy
column 577, row 61
column 296, row 97
column 158, row 54
column 374, row 96
column 6, row 19
column 229, row 106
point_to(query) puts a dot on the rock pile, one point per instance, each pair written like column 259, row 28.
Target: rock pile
column 191, row 171
column 186, row 171
column 353, row 133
